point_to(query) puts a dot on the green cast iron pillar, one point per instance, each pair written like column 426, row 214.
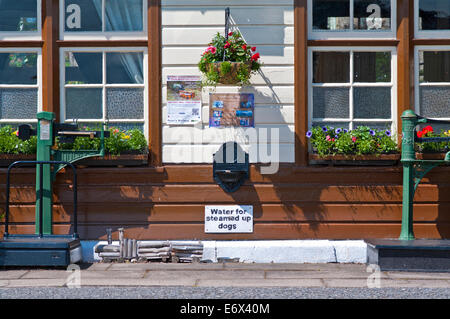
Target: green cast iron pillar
column 43, row 153
column 409, row 121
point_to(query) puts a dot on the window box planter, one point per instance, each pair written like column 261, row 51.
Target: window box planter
column 8, row 159
column 355, row 160
column 129, row 159
column 430, row 155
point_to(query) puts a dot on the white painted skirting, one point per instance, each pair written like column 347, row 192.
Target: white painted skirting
column 268, row 251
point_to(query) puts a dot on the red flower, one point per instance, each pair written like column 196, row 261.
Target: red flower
column 419, row 134
column 227, row 45
column 427, row 129
column 230, row 33
column 255, row 57
column 244, row 47
column 213, row 50
column 253, row 49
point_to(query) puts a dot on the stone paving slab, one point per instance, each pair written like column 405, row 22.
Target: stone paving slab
column 275, row 274
column 218, row 274
column 12, row 274
column 260, row 283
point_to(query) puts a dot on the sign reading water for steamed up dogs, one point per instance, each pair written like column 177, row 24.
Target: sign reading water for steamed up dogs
column 229, row 219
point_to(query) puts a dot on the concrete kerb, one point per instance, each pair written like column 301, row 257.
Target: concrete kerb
column 266, row 251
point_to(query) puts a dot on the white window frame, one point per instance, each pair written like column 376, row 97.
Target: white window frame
column 37, row 86
column 104, row 85
column 351, row 33
column 427, row 34
column 26, row 35
column 102, row 35
column 417, row 83
column 351, row 84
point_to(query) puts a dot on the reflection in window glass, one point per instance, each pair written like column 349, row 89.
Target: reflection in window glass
column 434, row 66
column 331, row 102
column 372, row 67
column 123, row 15
column 372, row 102
column 331, row 14
column 83, row 68
column 372, row 15
column 434, row 15
column 331, row 67
column 18, row 15
column 119, row 15
column 83, row 15
column 18, row 68
column 124, row 67
column 435, row 101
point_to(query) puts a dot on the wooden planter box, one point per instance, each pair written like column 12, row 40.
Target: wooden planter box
column 8, row 159
column 115, row 160
column 430, row 156
column 355, row 160
column 108, row 160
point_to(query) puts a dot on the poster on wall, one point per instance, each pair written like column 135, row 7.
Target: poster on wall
column 184, row 100
column 231, row 109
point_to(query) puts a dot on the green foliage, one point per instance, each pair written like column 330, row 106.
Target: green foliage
column 119, row 142
column 433, row 147
column 223, row 50
column 362, row 140
column 11, row 144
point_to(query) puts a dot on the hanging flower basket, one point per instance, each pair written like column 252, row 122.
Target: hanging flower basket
column 229, row 60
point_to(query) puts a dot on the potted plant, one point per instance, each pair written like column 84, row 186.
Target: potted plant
column 229, row 60
column 14, row 149
column 361, row 146
column 432, row 150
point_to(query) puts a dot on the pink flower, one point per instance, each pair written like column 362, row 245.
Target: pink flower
column 213, row 50
column 227, row 45
column 328, row 138
column 353, row 139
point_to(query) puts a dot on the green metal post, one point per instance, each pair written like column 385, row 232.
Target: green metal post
column 44, row 145
column 409, row 121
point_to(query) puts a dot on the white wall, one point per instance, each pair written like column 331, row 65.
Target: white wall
column 187, row 27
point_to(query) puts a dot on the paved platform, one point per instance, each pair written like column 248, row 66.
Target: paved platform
column 330, row 275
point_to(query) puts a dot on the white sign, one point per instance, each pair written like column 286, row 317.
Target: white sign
column 229, row 219
column 44, row 130
column 184, row 100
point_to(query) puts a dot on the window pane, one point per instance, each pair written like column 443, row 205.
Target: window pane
column 331, row 102
column 341, row 125
column 18, row 15
column 123, row 15
column 331, row 67
column 434, row 15
column 124, row 67
column 372, row 15
column 18, row 103
column 331, row 14
column 83, row 68
column 83, row 103
column 434, row 66
column 372, row 102
column 435, row 101
column 83, row 15
column 125, row 103
column 18, row 68
column 372, row 67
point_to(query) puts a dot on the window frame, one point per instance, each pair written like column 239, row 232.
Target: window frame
column 104, row 85
column 102, row 35
column 417, row 83
column 37, row 86
column 26, row 35
column 351, row 84
column 426, row 34
column 351, row 33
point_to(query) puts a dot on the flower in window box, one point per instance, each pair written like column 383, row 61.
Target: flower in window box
column 229, row 60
